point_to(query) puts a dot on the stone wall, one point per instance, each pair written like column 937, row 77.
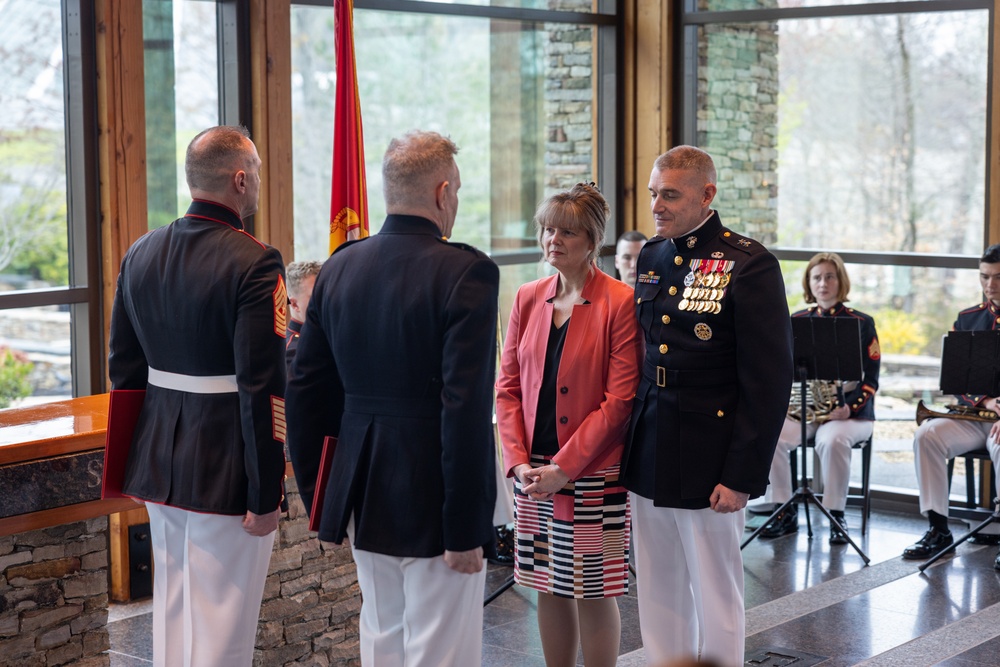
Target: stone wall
column 309, row 615
column 738, row 120
column 569, row 95
column 54, row 596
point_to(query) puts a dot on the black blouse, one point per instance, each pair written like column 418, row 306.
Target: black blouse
column 546, row 441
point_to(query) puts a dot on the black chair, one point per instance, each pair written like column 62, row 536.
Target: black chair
column 972, row 509
column 863, row 499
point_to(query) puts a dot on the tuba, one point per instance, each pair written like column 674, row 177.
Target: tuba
column 822, row 396
column 960, row 412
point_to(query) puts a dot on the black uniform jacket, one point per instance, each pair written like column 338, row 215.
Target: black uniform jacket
column 397, row 358
column 202, row 297
column 984, row 317
column 859, row 396
column 717, row 370
column 292, row 341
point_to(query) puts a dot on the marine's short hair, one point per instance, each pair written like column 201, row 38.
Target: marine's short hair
column 215, row 154
column 413, row 164
column 687, row 158
column 991, row 255
column 297, row 272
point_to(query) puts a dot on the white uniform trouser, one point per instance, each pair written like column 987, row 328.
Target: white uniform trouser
column 689, row 582
column 208, row 581
column 938, row 440
column 418, row 612
column 834, row 441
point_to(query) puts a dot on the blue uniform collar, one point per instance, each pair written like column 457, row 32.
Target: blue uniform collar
column 210, row 210
column 700, row 236
column 396, row 223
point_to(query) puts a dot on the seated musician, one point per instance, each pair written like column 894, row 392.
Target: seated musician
column 826, row 284
column 938, row 440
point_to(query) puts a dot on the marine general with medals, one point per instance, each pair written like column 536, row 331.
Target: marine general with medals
column 710, row 405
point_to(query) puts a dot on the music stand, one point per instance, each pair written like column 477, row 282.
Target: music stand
column 825, row 348
column 970, row 364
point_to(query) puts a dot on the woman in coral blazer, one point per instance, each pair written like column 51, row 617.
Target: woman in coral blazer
column 569, row 372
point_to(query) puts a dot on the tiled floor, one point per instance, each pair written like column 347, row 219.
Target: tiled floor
column 802, row 596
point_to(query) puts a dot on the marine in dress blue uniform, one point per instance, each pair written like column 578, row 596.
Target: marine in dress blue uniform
column 710, row 404
column 199, row 323
column 397, row 358
column 938, row 440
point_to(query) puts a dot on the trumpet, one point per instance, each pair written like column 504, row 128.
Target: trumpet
column 955, row 411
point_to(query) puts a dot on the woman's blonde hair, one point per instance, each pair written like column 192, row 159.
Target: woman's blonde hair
column 581, row 207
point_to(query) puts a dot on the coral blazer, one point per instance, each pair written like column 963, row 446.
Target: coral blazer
column 597, row 380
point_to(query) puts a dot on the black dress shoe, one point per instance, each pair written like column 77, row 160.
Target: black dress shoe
column 785, row 523
column 932, row 542
column 991, row 539
column 838, row 530
column 506, row 539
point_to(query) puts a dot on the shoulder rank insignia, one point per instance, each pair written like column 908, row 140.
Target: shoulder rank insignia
column 280, row 296
column 744, row 242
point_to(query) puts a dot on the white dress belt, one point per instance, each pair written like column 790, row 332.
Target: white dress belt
column 194, row 384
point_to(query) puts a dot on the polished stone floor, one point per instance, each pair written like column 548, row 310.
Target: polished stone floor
column 803, row 598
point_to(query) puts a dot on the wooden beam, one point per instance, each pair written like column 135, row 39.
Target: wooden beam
column 271, row 77
column 122, row 128
column 648, row 101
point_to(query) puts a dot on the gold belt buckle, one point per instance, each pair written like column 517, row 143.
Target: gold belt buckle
column 661, row 376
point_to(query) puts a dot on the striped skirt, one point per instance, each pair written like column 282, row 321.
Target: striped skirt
column 582, row 557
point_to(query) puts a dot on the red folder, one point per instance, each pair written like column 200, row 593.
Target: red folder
column 325, row 464
column 123, row 414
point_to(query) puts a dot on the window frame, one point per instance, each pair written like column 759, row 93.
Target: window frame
column 686, row 89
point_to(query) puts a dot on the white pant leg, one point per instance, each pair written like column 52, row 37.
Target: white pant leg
column 503, row 510
column 667, row 614
column 689, row 581
column 381, row 621
column 779, row 488
column 214, row 581
column 994, row 448
column 443, row 620
column 168, row 587
column 418, row 612
column 936, row 441
column 834, row 440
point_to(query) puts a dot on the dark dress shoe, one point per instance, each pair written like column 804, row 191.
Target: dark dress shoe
column 932, row 542
column 506, row 540
column 838, row 530
column 784, row 524
column 991, row 539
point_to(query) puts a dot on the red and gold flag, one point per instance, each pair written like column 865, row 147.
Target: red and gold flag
column 349, row 193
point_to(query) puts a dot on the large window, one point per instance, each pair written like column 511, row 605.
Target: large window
column 182, row 95
column 855, row 127
column 49, row 327
column 526, row 89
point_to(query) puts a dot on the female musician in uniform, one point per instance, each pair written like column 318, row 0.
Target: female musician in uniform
column 568, row 374
column 826, row 284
